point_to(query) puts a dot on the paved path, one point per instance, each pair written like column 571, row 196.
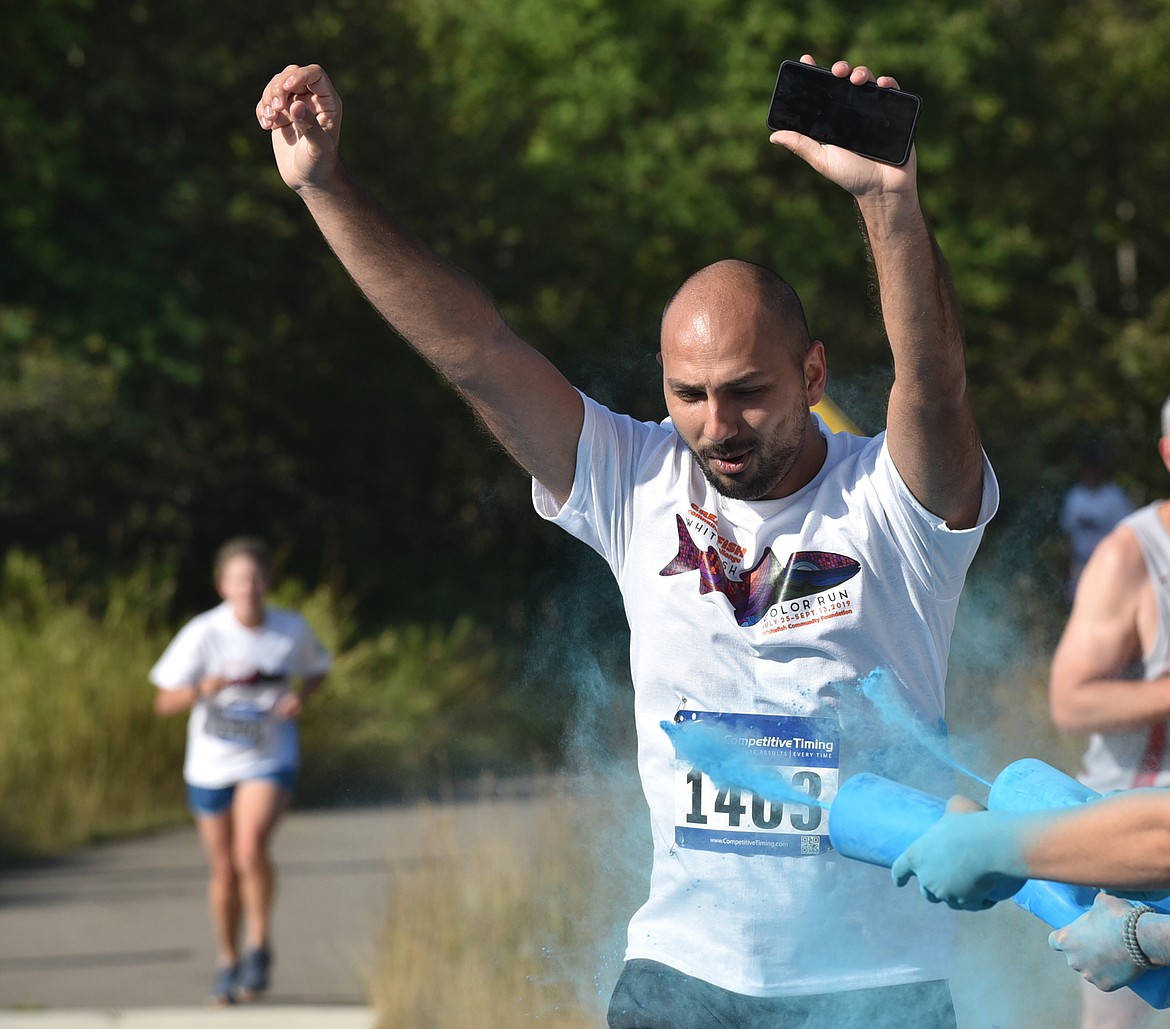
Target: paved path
column 126, row 924
column 118, row 934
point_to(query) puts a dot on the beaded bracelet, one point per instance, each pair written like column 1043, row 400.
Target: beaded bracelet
column 1129, row 935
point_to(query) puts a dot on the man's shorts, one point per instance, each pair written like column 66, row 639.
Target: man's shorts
column 650, row 995
column 203, row 801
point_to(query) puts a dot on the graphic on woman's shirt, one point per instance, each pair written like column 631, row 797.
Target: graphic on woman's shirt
column 242, row 712
column 804, row 753
column 767, row 582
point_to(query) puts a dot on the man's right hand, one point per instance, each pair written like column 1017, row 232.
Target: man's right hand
column 956, row 858
column 302, row 111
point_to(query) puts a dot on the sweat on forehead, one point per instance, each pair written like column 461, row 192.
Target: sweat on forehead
column 730, row 285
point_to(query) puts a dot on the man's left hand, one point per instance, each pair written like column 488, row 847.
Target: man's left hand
column 859, row 175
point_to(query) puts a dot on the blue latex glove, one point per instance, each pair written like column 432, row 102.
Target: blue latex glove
column 1093, row 945
column 956, row 859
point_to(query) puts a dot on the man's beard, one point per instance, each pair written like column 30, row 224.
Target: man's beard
column 773, row 459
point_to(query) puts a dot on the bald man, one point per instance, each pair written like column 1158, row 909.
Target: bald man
column 763, row 560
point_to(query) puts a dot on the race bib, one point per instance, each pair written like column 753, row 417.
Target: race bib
column 239, row 723
column 796, row 758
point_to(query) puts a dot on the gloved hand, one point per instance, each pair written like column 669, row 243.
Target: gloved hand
column 970, row 859
column 1094, row 947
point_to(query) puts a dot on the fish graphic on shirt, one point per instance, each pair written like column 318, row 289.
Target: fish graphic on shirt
column 767, row 582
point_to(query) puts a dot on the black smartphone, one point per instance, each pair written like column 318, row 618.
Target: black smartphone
column 870, row 120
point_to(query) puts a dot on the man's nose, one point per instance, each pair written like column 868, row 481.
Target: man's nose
column 721, row 422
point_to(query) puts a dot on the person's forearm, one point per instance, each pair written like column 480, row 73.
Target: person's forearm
column 1111, row 705
column 931, row 429
column 176, row 701
column 437, row 308
column 919, row 306
column 1153, row 936
column 1118, row 842
column 449, row 319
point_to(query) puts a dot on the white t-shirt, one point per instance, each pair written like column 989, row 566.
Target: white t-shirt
column 234, row 735
column 764, row 614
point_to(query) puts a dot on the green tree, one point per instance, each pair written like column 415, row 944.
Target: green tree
column 176, row 335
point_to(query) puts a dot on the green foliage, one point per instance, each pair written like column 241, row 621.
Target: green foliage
column 409, row 710
column 182, row 359
column 414, row 710
column 81, row 752
column 520, row 907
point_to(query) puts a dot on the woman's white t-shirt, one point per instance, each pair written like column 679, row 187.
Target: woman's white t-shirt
column 236, row 735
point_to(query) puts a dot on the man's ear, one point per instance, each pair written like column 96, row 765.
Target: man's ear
column 816, row 372
column 658, row 358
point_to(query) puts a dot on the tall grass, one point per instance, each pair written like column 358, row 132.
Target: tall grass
column 82, row 754
column 81, row 751
column 518, row 919
column 412, row 710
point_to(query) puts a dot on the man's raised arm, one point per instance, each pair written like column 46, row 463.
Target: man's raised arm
column 931, row 430
column 438, row 309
